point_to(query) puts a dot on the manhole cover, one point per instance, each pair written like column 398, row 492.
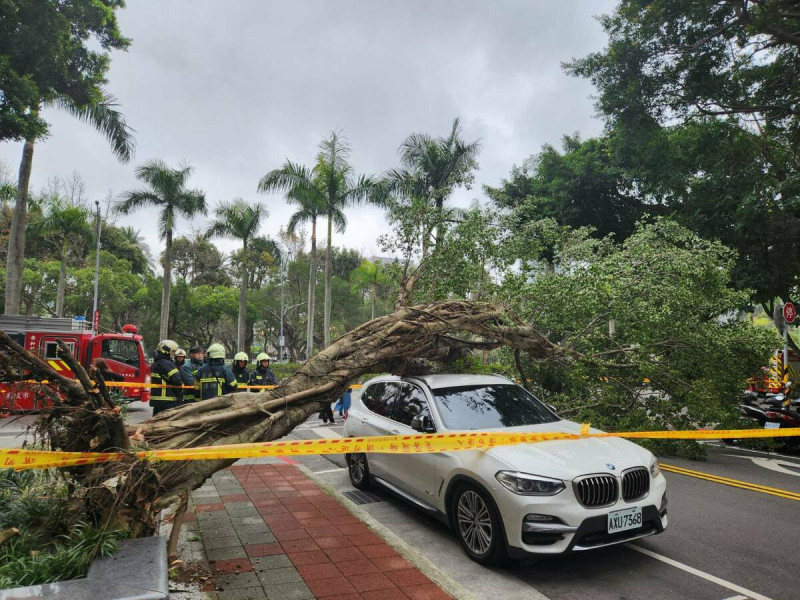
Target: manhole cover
column 360, row 497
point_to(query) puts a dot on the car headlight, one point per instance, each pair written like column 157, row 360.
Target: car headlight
column 529, row 485
column 654, row 468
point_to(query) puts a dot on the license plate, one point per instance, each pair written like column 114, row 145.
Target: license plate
column 622, row 520
column 772, row 425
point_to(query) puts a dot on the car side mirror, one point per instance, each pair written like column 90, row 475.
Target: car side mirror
column 423, row 424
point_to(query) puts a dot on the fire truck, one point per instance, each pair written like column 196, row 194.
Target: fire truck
column 123, row 352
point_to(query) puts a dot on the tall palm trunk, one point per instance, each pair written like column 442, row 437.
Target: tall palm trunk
column 165, row 290
column 312, row 290
column 439, row 222
column 374, row 293
column 16, row 237
column 62, row 281
column 327, row 307
column 241, row 335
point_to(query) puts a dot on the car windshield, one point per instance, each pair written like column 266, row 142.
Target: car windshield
column 489, row 407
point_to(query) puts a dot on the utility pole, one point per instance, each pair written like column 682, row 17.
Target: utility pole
column 96, row 267
column 281, row 339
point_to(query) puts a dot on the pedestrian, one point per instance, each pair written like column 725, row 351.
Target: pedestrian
column 101, row 366
column 262, row 374
column 186, row 375
column 326, row 414
column 343, row 405
column 240, row 368
column 165, row 372
column 215, row 378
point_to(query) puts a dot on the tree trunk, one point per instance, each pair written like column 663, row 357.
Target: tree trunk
column 326, row 333
column 440, row 222
column 312, row 290
column 166, row 282
column 16, row 236
column 241, row 333
column 374, row 294
column 62, row 281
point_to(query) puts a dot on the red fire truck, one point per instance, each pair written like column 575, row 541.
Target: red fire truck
column 123, row 352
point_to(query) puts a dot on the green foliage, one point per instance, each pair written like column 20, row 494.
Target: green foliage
column 53, row 544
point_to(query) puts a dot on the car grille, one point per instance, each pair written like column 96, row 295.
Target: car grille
column 635, row 484
column 597, row 490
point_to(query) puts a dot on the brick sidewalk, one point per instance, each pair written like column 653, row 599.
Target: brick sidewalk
column 271, row 532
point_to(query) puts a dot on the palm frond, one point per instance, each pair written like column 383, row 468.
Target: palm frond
column 105, row 117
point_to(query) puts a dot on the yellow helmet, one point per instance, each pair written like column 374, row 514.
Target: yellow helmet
column 262, row 356
column 216, row 351
column 180, row 352
column 167, row 346
column 241, row 356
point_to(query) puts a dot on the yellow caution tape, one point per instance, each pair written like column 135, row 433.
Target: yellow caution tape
column 398, row 444
column 136, row 384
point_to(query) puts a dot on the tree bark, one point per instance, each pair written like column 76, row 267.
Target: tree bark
column 16, row 237
column 440, row 222
column 312, row 291
column 62, row 281
column 326, row 333
column 166, row 282
column 241, row 333
column 374, row 294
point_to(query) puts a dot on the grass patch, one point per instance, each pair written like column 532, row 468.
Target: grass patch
column 53, row 543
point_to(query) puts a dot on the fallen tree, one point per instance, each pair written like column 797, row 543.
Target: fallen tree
column 412, row 340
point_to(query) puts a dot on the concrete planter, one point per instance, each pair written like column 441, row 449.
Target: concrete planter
column 137, row 572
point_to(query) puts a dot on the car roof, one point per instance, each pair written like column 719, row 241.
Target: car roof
column 446, row 380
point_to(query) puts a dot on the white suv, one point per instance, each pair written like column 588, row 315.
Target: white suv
column 543, row 498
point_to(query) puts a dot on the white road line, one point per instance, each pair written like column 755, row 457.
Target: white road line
column 326, row 432
column 708, row 577
column 738, row 449
column 329, row 471
column 737, row 598
column 772, row 464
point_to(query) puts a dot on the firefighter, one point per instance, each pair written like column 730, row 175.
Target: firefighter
column 240, row 368
column 215, row 378
column 165, row 372
column 186, row 374
column 262, row 374
column 196, row 359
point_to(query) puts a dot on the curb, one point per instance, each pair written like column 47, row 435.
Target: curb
column 439, row 577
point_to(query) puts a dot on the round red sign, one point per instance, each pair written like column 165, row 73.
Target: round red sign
column 789, row 312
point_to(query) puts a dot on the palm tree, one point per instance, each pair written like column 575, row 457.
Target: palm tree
column 166, row 190
column 334, row 186
column 433, row 167
column 297, row 182
column 239, row 220
column 103, row 115
column 369, row 276
column 69, row 225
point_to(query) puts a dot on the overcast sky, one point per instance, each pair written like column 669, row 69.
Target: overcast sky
column 234, row 88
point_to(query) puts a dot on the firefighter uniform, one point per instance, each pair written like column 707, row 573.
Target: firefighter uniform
column 239, row 369
column 262, row 374
column 215, row 378
column 165, row 372
column 193, row 366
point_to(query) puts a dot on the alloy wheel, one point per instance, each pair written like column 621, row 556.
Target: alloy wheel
column 358, row 467
column 474, row 522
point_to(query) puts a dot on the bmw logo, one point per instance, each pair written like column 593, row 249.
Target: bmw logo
column 611, row 467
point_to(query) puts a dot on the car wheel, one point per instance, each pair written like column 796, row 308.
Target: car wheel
column 478, row 525
column 358, row 468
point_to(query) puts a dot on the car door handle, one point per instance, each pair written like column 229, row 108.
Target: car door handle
column 394, row 431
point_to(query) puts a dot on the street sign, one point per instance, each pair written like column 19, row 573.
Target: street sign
column 282, row 341
column 789, row 312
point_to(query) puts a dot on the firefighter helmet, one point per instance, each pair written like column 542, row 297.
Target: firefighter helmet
column 216, row 351
column 241, row 356
column 167, row 346
column 262, row 356
column 180, row 352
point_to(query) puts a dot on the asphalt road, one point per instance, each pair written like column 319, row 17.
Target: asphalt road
column 723, row 542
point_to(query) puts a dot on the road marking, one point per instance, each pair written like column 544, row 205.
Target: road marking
column 729, row 447
column 745, row 485
column 707, row 576
column 326, row 432
column 329, row 471
column 737, row 598
column 771, row 463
